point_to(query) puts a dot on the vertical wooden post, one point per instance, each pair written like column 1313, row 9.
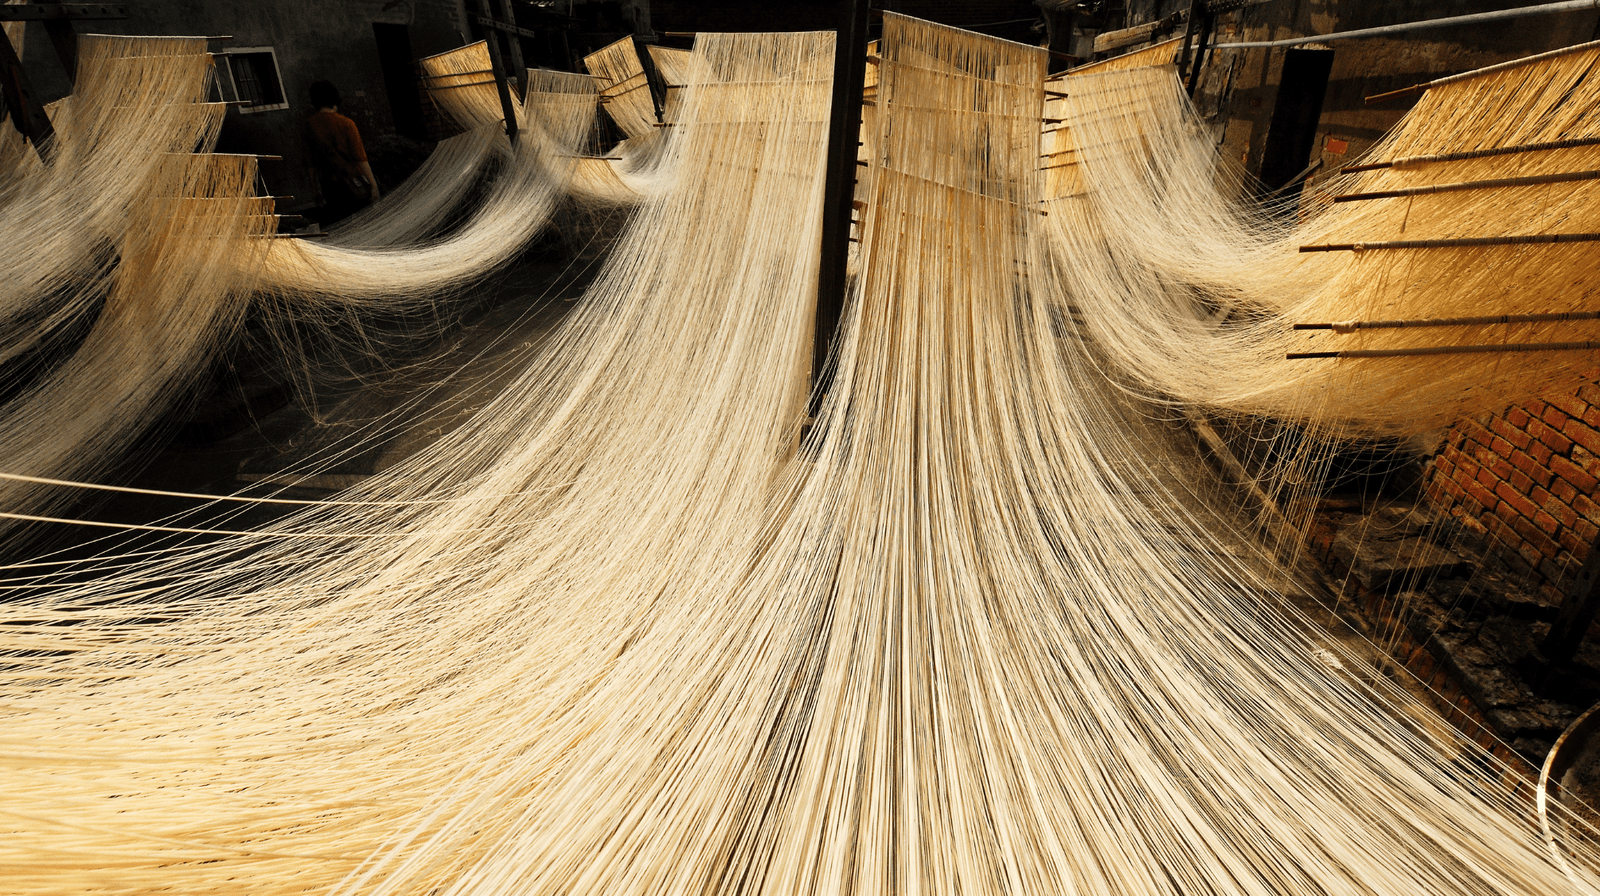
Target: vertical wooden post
column 519, row 68
column 844, row 134
column 65, row 39
column 26, row 112
column 1208, row 24
column 1196, row 10
column 491, row 39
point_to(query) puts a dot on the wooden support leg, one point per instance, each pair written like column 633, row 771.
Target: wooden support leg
column 844, row 134
column 21, row 101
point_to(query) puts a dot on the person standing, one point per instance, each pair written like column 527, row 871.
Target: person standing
column 340, row 173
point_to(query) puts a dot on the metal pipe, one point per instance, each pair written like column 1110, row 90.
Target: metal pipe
column 1474, row 19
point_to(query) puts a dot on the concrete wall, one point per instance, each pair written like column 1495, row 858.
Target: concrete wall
column 312, row 40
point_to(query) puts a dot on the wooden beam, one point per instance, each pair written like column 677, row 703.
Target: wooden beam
column 27, row 113
column 1138, row 34
column 497, row 65
column 844, row 135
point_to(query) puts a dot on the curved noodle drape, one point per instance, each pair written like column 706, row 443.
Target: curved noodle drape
column 1190, row 293
column 625, row 633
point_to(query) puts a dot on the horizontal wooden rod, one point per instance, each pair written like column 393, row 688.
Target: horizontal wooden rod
column 1482, row 320
column 454, row 86
column 476, row 71
column 1408, row 161
column 1495, row 183
column 1526, row 239
column 1448, row 350
column 241, row 155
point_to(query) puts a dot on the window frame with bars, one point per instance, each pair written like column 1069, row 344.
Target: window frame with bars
column 246, row 82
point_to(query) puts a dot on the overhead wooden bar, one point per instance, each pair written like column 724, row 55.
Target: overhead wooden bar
column 1408, row 161
column 1456, row 242
column 1482, row 320
column 1448, row 350
column 1529, row 181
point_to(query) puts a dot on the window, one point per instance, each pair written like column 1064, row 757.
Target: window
column 251, row 73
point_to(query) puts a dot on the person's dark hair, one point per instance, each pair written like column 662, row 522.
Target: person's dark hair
column 324, row 95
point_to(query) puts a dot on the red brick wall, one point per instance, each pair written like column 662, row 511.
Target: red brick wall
column 1528, row 477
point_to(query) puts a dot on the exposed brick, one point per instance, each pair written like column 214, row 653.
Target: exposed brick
column 1531, row 468
column 1479, row 493
column 1571, row 405
column 1517, row 500
column 1517, row 417
column 1443, row 491
column 1563, row 491
column 1552, row 437
column 1474, row 434
column 1562, row 511
column 1501, row 468
column 1502, row 447
column 1509, row 433
column 1584, row 435
column 1520, row 481
column 1589, row 393
column 1587, row 532
column 1542, row 544
column 1579, row 477
column 1556, row 418
column 1535, row 407
column 1529, row 554
column 1546, row 523
column 1585, row 459
column 1501, row 530
column 1586, row 508
column 1572, row 542
column 1541, row 453
column 1592, row 417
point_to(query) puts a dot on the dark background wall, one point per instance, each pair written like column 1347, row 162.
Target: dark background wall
column 1239, row 91
column 337, row 41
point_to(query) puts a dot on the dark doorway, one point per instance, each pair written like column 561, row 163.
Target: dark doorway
column 1293, row 131
column 399, row 79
